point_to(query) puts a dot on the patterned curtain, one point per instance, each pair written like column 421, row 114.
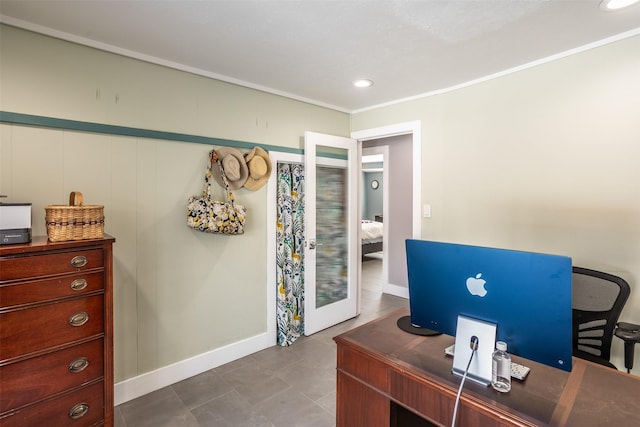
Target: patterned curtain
column 290, row 252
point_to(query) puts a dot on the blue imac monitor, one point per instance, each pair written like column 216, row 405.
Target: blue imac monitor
column 527, row 295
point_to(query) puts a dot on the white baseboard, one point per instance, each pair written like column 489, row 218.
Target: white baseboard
column 151, row 381
column 148, row 382
column 399, row 291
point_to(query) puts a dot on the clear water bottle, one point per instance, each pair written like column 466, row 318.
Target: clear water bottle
column 501, row 368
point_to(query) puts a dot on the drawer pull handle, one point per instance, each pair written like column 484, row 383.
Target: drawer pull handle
column 79, row 261
column 78, row 411
column 78, row 365
column 78, row 284
column 79, row 319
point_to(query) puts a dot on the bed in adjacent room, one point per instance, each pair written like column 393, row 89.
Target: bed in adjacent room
column 371, row 236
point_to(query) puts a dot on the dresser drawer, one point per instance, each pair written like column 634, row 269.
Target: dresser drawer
column 25, row 267
column 82, row 407
column 21, row 293
column 34, row 379
column 37, row 328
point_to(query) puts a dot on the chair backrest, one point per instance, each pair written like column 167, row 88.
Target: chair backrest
column 598, row 299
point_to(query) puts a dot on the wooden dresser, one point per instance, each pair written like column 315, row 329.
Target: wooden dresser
column 56, row 333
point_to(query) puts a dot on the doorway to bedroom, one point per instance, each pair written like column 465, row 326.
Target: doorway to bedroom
column 395, row 196
column 373, row 207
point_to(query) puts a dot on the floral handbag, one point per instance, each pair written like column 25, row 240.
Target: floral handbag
column 212, row 216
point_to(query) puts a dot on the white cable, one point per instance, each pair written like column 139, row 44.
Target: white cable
column 455, row 408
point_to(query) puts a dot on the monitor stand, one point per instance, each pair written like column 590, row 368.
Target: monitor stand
column 405, row 324
column 485, row 333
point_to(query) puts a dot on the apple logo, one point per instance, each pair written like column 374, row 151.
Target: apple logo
column 476, row 285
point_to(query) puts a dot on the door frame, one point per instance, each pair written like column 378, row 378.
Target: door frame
column 414, row 129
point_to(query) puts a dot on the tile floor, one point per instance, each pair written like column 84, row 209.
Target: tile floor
column 278, row 386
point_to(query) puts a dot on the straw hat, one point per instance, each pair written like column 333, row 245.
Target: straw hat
column 259, row 164
column 235, row 168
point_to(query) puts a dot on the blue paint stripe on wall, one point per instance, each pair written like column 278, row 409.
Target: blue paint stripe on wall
column 55, row 123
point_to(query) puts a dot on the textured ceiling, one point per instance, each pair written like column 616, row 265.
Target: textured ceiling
column 313, row 50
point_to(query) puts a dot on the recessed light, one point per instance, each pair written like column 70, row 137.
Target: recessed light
column 363, row 83
column 616, row 4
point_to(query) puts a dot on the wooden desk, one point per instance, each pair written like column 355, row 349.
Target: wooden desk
column 388, row 377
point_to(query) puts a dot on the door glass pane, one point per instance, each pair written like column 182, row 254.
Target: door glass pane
column 331, row 235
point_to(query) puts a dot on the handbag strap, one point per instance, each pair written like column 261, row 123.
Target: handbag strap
column 207, row 176
column 213, row 158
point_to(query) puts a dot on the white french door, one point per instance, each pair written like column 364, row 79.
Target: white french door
column 331, row 231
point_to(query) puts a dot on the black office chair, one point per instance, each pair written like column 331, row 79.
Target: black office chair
column 630, row 334
column 598, row 299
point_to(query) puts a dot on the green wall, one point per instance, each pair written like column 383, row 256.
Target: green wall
column 178, row 293
column 545, row 159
